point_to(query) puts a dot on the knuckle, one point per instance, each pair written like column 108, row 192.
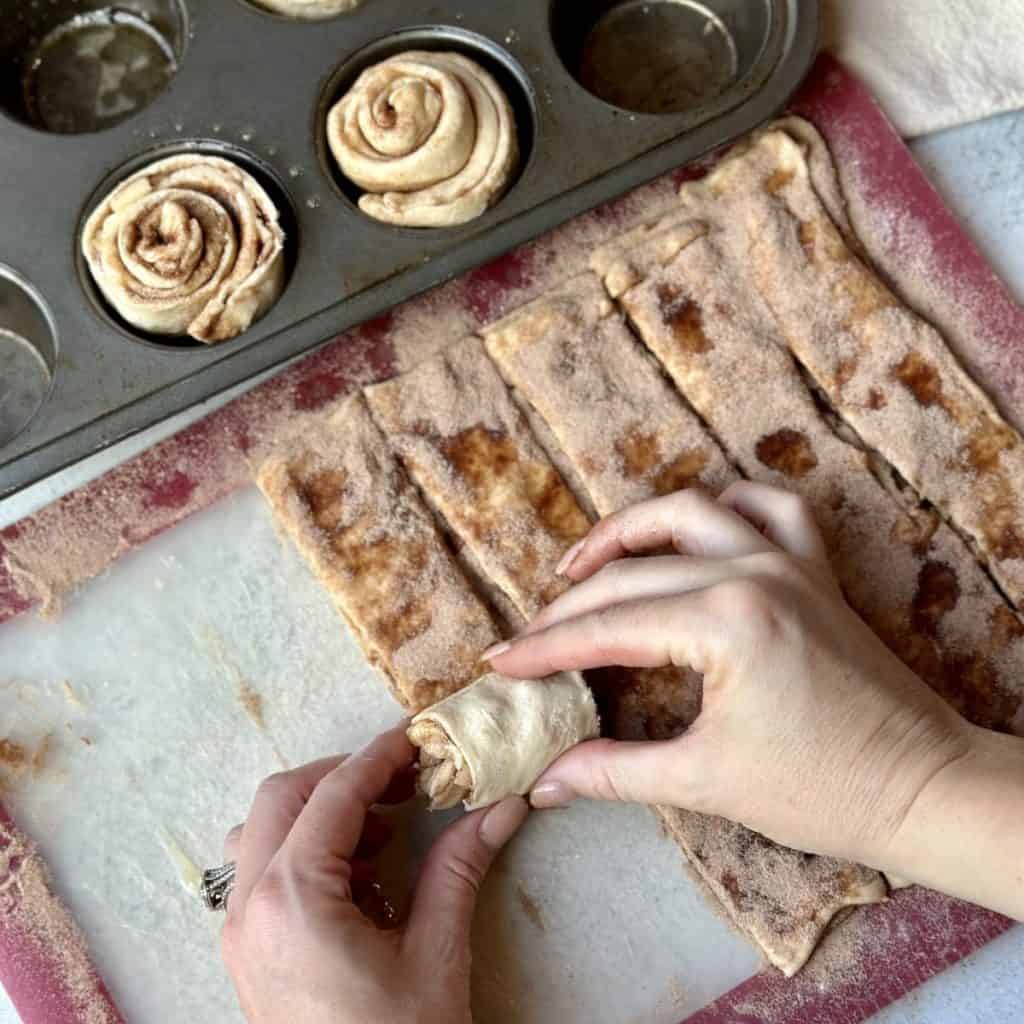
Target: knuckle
column 604, row 631
column 776, row 565
column 268, row 902
column 689, row 500
column 464, row 871
column 748, row 601
column 607, row 785
column 275, row 786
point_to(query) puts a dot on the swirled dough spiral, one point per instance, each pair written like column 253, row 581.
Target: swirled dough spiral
column 309, row 10
column 188, row 245
column 496, row 737
column 430, row 137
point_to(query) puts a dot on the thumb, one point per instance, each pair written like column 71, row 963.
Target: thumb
column 644, row 773
column 455, row 867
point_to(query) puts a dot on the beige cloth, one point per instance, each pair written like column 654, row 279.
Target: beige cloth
column 932, row 64
column 496, row 737
column 188, row 245
column 430, row 137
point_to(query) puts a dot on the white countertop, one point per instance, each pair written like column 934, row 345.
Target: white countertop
column 979, row 171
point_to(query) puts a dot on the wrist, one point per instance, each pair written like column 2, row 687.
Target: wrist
column 962, row 833
column 915, row 745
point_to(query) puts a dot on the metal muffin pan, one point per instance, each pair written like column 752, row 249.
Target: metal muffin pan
column 256, row 86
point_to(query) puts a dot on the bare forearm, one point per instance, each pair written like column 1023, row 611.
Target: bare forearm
column 964, row 834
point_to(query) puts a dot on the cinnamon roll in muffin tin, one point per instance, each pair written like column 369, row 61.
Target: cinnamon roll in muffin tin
column 605, row 95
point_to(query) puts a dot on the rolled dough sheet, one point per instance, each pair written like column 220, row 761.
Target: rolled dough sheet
column 886, row 371
column 496, row 737
column 342, row 497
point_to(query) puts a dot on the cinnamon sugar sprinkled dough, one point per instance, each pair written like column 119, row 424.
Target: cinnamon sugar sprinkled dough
column 886, row 371
column 348, row 506
column 467, row 446
column 909, row 574
column 42, row 936
column 783, row 899
column 625, row 429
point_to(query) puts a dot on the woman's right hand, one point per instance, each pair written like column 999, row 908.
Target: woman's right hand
column 812, row 732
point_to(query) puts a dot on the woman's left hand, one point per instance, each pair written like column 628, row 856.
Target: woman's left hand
column 294, row 942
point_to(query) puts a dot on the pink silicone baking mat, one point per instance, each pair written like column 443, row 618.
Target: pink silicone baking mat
column 885, row 950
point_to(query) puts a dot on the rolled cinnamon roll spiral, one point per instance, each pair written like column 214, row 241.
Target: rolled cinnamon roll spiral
column 430, row 137
column 309, row 9
column 189, row 245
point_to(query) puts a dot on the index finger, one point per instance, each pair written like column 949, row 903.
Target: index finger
column 690, row 521
column 676, row 630
column 331, row 823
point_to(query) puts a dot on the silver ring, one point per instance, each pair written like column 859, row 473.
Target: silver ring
column 216, row 886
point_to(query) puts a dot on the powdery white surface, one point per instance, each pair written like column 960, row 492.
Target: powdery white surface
column 158, row 653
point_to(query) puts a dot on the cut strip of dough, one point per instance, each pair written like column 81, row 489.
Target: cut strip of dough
column 466, row 444
column 344, row 500
column 621, row 423
column 496, row 737
column 887, row 372
column 629, row 437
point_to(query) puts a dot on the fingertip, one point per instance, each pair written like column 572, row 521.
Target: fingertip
column 551, row 794
column 496, row 651
column 564, row 567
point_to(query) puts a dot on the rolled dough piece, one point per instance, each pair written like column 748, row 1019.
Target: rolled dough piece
column 190, row 245
column 430, row 137
column 496, row 737
column 309, row 10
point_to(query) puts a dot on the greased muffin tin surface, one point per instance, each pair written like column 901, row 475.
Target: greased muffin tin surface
column 256, row 87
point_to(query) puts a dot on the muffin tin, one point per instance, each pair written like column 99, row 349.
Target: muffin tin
column 256, row 87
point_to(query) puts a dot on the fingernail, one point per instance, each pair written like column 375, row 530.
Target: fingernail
column 569, row 557
column 551, row 794
column 502, row 821
column 495, row 651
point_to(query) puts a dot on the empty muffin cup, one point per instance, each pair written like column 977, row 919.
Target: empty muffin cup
column 76, row 66
column 657, row 56
column 28, row 353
